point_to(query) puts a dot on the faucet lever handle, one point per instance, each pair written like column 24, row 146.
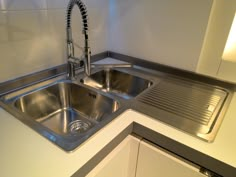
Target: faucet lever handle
column 76, row 60
column 70, row 49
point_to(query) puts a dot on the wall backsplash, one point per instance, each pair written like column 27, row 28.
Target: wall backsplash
column 32, row 34
column 174, row 33
column 164, row 31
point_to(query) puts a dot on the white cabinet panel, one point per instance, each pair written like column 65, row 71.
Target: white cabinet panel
column 121, row 162
column 213, row 61
column 155, row 162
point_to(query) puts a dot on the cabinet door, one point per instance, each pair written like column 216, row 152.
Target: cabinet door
column 121, row 162
column 156, row 162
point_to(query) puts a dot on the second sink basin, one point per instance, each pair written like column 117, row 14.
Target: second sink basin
column 117, row 82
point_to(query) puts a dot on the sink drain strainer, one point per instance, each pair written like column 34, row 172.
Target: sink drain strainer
column 79, row 126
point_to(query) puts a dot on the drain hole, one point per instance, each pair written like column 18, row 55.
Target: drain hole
column 79, row 126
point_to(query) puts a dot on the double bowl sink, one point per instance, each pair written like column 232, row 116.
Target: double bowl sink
column 69, row 112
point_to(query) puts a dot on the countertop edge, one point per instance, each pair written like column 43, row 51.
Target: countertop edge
column 163, row 141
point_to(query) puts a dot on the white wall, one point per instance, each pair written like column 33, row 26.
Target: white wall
column 32, row 34
column 169, row 32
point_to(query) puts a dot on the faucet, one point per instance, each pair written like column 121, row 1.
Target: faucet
column 86, row 59
column 72, row 60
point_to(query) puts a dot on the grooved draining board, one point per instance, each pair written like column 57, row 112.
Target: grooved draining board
column 190, row 106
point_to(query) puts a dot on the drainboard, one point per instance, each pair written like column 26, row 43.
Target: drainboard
column 190, row 106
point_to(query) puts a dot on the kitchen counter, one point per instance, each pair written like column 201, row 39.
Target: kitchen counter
column 25, row 153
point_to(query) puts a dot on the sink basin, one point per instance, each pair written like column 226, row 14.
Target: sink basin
column 59, row 105
column 65, row 109
column 117, row 82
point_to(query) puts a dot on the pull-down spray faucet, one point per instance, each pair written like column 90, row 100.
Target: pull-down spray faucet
column 72, row 60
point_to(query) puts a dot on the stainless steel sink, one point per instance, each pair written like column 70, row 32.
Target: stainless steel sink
column 67, row 112
column 120, row 83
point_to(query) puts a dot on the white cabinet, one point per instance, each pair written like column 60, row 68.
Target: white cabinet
column 134, row 157
column 156, row 162
column 218, row 57
column 121, row 162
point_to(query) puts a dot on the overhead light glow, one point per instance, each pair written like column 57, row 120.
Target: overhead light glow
column 2, row 5
column 230, row 47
